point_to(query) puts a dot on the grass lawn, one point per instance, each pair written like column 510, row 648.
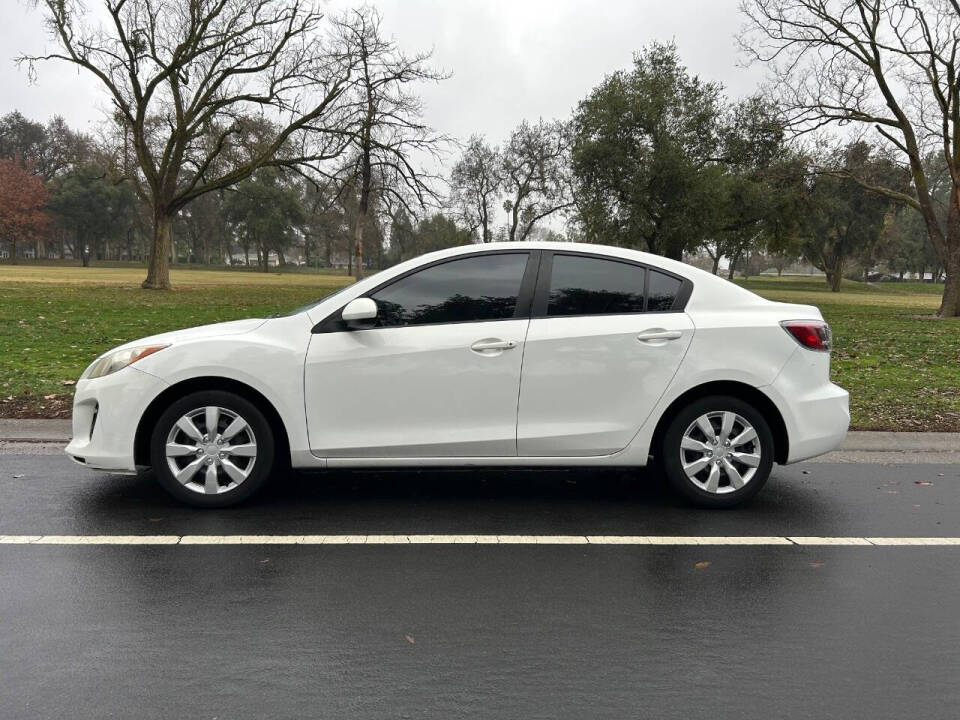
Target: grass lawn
column 900, row 363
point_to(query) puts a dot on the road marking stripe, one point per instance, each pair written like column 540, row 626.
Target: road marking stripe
column 663, row 540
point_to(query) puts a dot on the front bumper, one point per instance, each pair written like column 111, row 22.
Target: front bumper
column 106, row 413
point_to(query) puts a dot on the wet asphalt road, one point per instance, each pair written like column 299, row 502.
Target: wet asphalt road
column 451, row 631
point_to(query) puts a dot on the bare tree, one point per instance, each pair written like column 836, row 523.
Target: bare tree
column 536, row 175
column 888, row 64
column 389, row 137
column 176, row 70
column 476, row 183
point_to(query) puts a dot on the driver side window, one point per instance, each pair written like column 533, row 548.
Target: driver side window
column 479, row 288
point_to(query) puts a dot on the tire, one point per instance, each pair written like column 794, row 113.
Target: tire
column 241, row 462
column 728, row 475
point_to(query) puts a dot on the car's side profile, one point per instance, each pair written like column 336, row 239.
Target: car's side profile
column 507, row 354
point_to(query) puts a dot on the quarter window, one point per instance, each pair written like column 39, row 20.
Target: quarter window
column 662, row 291
column 591, row 286
column 483, row 287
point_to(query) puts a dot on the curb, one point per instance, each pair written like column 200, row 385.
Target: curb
column 35, row 430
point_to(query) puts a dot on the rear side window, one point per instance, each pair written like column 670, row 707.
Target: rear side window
column 591, row 286
column 662, row 291
column 484, row 287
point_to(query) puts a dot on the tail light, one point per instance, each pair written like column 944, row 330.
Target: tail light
column 813, row 334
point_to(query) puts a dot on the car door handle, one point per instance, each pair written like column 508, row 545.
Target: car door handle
column 492, row 344
column 648, row 335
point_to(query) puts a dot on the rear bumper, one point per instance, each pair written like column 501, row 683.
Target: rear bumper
column 819, row 425
column 106, row 413
column 815, row 411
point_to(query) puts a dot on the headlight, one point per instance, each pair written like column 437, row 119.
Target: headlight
column 117, row 360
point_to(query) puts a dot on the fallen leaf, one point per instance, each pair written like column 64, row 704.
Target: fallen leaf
column 702, row 565
column 68, row 382
column 49, row 397
column 410, row 639
column 17, row 477
column 816, row 565
column 265, row 560
column 923, row 482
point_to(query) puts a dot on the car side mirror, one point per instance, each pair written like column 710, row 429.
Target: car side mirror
column 360, row 314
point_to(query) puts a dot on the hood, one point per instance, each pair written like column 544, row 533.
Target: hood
column 234, row 327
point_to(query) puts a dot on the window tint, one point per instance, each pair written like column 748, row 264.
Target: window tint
column 483, row 287
column 590, row 286
column 663, row 291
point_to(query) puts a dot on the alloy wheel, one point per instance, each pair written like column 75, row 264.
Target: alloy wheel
column 211, row 450
column 720, row 452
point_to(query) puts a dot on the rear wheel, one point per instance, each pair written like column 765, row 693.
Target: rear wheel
column 717, row 451
column 212, row 449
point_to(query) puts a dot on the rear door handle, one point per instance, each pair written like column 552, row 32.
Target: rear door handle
column 648, row 335
column 492, row 344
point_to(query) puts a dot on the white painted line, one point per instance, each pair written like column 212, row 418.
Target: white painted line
column 913, row 541
column 106, row 540
column 829, row 540
column 661, row 540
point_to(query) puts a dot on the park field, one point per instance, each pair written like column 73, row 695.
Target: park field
column 900, row 363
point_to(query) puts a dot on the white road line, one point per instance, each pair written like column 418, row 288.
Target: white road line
column 661, row 540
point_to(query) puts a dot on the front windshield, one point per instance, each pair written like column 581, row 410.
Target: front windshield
column 312, row 305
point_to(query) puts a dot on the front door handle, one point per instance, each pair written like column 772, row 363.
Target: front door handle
column 489, row 344
column 648, row 335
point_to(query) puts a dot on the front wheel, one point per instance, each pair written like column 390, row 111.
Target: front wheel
column 212, row 449
column 717, row 451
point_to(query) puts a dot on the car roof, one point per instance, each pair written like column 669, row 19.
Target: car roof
column 709, row 290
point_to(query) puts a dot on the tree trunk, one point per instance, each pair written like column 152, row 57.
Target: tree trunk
column 358, row 239
column 834, row 278
column 158, row 267
column 733, row 266
column 716, row 264
column 950, row 304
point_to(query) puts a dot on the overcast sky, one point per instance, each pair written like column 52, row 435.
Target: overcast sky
column 509, row 59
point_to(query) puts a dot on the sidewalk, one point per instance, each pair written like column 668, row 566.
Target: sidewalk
column 938, row 446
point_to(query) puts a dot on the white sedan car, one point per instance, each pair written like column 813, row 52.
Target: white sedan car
column 509, row 354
